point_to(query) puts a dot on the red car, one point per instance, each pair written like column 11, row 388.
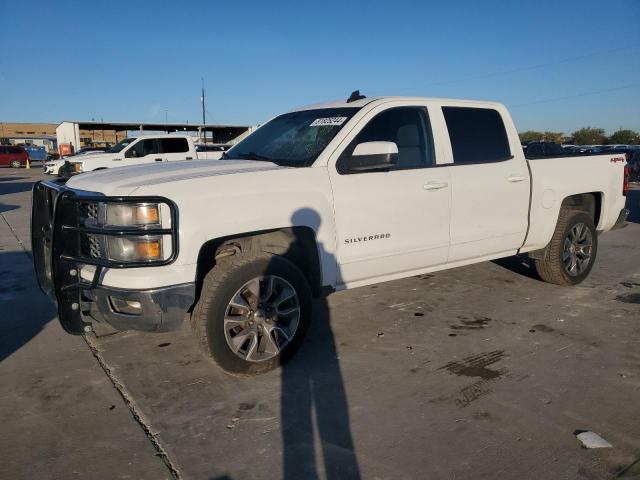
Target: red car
column 11, row 156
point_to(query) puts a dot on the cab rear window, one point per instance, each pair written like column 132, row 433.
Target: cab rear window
column 477, row 135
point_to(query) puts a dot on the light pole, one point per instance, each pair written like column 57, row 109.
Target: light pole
column 204, row 120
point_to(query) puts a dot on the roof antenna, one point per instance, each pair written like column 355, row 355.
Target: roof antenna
column 355, row 95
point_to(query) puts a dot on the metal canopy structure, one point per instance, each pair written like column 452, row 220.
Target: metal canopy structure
column 69, row 131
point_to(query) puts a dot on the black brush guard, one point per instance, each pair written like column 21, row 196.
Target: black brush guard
column 56, row 244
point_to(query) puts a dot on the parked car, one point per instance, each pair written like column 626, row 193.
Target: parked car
column 581, row 149
column 319, row 199
column 598, row 149
column 544, row 149
column 632, row 154
column 214, row 151
column 53, row 167
column 13, row 156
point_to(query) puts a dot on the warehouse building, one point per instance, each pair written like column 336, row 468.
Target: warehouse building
column 41, row 134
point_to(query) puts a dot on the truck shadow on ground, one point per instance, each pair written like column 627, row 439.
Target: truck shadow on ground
column 520, row 264
column 7, row 208
column 25, row 309
column 17, row 187
column 11, row 179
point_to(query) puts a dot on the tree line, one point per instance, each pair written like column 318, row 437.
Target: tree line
column 585, row 136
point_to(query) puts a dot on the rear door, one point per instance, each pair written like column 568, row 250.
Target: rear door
column 396, row 221
column 176, row 148
column 490, row 185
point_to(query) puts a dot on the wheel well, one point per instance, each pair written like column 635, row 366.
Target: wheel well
column 296, row 244
column 590, row 203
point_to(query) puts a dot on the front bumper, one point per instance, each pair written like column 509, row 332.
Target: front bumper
column 621, row 222
column 59, row 254
column 161, row 309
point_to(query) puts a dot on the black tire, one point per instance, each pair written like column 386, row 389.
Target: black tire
column 220, row 286
column 552, row 268
column 15, row 164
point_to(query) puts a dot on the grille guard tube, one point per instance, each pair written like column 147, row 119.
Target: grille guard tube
column 56, row 245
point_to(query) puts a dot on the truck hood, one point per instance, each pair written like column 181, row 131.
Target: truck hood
column 92, row 156
column 126, row 180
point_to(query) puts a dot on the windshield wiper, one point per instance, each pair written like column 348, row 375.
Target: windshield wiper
column 253, row 156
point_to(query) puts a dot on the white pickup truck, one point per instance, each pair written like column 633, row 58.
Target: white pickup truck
column 323, row 198
column 135, row 151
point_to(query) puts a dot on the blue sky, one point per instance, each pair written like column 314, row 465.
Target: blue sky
column 556, row 65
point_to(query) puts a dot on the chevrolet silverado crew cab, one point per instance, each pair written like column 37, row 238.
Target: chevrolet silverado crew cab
column 135, row 151
column 323, row 198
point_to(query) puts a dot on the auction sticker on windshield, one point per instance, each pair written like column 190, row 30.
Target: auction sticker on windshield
column 328, row 121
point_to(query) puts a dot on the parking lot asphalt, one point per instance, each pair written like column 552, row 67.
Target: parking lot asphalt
column 477, row 372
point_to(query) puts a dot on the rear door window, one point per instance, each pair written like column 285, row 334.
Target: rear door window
column 174, row 145
column 477, row 135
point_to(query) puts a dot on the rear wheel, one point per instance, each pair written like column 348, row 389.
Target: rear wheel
column 15, row 164
column 253, row 312
column 572, row 250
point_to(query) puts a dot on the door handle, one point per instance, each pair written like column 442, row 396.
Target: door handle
column 158, row 159
column 189, row 158
column 435, row 185
column 517, row 178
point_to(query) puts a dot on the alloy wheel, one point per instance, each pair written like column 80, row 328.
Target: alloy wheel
column 576, row 252
column 262, row 318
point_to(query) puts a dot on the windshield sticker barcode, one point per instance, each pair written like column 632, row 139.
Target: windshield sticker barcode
column 328, row 121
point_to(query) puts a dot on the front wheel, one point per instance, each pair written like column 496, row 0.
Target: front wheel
column 253, row 312
column 572, row 250
column 15, row 164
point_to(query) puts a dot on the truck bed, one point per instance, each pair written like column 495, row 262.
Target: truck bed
column 556, row 178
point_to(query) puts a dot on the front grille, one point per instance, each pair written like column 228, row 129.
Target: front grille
column 90, row 246
column 89, row 211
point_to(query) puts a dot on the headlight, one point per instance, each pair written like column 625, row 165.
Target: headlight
column 126, row 214
column 134, row 249
column 129, row 232
column 77, row 167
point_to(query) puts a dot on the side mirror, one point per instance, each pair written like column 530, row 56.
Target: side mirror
column 370, row 156
column 131, row 153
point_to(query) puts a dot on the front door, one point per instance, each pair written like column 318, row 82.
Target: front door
column 396, row 221
column 145, row 150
